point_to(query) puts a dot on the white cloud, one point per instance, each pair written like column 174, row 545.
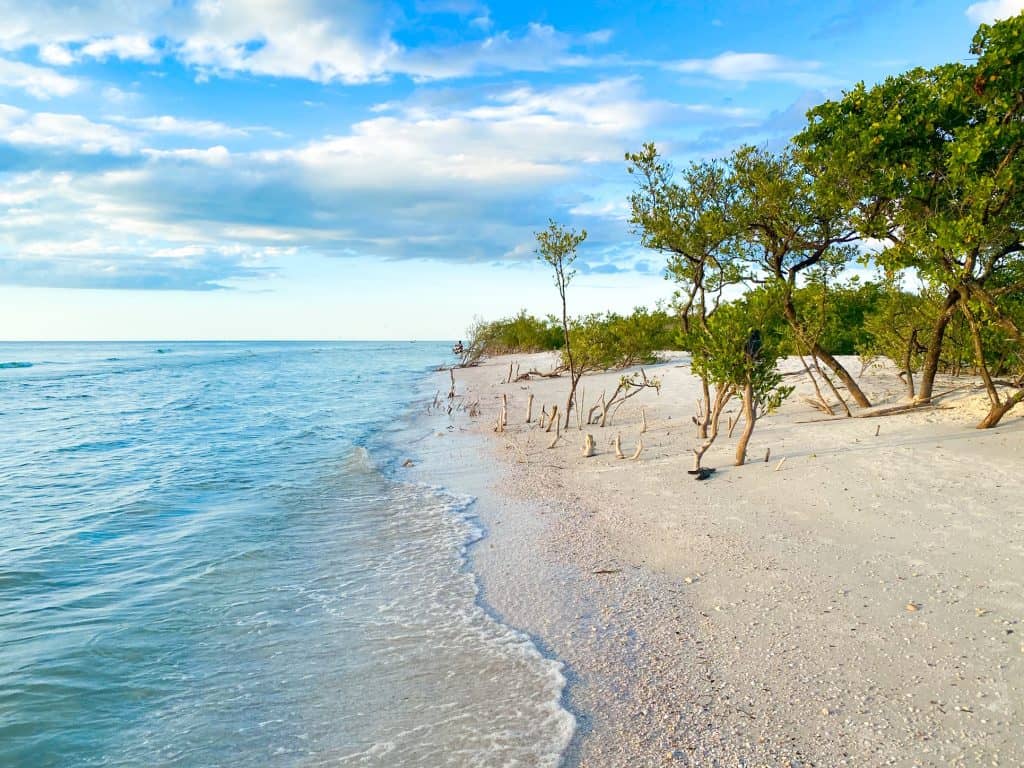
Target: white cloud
column 175, row 125
column 318, row 40
column 455, row 181
column 519, row 137
column 56, row 54
column 755, row 67
column 126, row 47
column 61, row 131
column 993, row 10
column 218, row 155
column 40, row 82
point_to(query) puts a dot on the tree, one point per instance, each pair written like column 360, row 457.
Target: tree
column 935, row 156
column 790, row 228
column 690, row 221
column 735, row 357
column 556, row 246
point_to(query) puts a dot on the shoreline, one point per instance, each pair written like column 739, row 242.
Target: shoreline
column 762, row 617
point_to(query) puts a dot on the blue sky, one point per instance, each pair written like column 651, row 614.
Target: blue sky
column 314, row 169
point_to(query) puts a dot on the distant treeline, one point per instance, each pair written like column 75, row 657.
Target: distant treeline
column 601, row 341
column 864, row 318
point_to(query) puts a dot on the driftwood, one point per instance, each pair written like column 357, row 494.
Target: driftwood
column 894, row 409
column 557, row 372
column 558, row 431
column 617, row 444
column 588, row 446
column 821, row 404
column 553, row 418
column 451, row 392
column 643, row 420
column 529, row 408
column 636, row 454
column 779, row 465
column 629, row 386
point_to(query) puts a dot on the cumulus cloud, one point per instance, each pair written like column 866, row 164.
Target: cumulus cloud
column 318, row 40
column 59, row 131
column 40, row 82
column 993, row 10
column 445, row 180
column 126, row 47
column 755, row 67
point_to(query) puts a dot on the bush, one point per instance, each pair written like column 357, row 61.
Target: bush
column 612, row 341
column 522, row 333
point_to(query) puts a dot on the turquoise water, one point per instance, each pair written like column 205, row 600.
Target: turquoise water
column 206, row 561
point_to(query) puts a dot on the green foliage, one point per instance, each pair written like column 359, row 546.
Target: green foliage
column 722, row 356
column 556, row 247
column 610, row 341
column 689, row 217
column 521, row 333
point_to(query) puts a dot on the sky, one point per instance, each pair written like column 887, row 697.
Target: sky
column 273, row 169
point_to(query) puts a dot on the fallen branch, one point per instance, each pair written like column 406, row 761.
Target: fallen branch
column 638, row 451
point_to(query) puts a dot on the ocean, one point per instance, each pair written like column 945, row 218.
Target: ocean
column 209, row 558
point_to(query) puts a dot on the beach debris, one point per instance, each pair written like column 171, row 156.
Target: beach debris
column 643, row 420
column 504, row 410
column 878, row 428
column 701, row 473
column 553, row 419
column 558, row 429
column 767, row 454
column 408, row 463
column 617, row 444
column 451, row 392
column 529, row 408
column 588, row 446
column 638, row 451
column 603, row 571
column 912, row 606
column 779, row 465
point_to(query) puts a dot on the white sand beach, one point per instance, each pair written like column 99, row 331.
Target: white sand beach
column 856, row 600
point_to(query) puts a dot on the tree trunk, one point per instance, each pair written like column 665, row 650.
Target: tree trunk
column 996, row 412
column 749, row 418
column 844, row 376
column 722, row 397
column 702, row 426
column 908, row 368
column 789, row 311
column 934, row 352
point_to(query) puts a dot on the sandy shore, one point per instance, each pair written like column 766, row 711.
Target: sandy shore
column 860, row 605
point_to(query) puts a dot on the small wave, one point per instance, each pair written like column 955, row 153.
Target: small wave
column 97, row 445
column 15, row 365
column 163, row 350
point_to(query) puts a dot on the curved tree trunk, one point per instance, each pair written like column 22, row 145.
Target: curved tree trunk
column 749, row 419
column 789, row 311
column 934, row 352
